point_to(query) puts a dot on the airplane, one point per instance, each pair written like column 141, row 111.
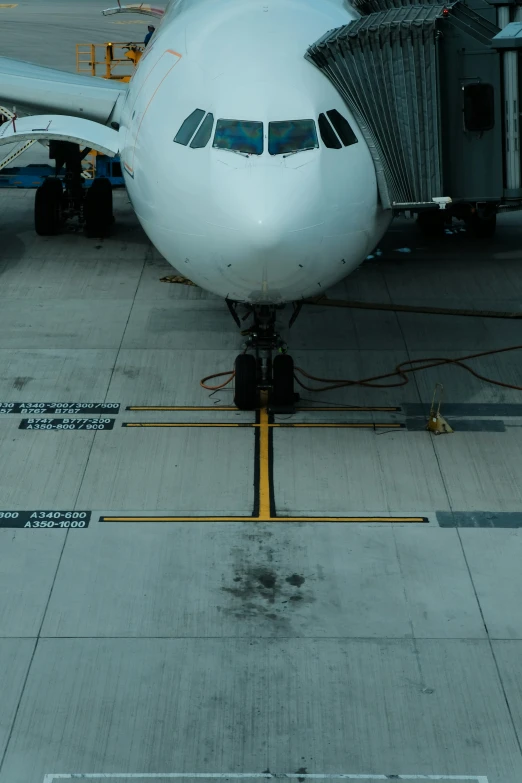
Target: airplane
column 243, row 163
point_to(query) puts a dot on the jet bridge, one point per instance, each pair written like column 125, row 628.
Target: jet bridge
column 435, row 90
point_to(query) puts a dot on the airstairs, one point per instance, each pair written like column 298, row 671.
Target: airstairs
column 17, row 149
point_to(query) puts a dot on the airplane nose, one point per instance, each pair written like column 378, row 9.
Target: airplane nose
column 266, row 202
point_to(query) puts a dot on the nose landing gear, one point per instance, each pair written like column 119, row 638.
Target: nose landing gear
column 260, row 371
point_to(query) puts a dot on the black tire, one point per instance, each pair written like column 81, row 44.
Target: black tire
column 48, row 205
column 98, row 208
column 432, row 223
column 283, row 381
column 245, row 394
column 482, row 226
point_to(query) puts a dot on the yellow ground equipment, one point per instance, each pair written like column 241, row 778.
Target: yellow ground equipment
column 115, row 61
column 436, row 422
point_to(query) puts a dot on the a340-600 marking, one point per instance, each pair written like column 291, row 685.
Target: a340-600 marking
column 45, row 519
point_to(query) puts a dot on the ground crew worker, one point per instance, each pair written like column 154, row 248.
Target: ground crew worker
column 149, row 34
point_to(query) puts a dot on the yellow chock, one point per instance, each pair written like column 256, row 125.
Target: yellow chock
column 180, row 279
column 437, row 423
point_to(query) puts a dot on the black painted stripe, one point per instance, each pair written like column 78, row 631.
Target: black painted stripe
column 491, row 519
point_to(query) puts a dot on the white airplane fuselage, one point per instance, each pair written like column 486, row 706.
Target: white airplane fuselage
column 259, row 228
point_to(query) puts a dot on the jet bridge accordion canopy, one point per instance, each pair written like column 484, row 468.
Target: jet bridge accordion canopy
column 401, row 72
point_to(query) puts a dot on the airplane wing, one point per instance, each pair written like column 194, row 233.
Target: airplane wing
column 62, row 128
column 36, row 88
column 135, row 8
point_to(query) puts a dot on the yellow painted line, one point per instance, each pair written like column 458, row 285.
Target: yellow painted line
column 357, row 425
column 264, row 460
column 187, row 424
column 8, row 5
column 181, row 408
column 340, row 425
column 333, row 409
column 264, row 518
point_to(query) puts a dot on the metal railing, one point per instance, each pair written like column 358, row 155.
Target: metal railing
column 109, row 60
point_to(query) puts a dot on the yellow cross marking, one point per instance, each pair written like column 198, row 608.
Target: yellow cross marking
column 264, row 510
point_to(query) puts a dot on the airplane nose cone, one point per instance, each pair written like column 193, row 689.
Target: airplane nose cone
column 266, row 202
column 265, row 225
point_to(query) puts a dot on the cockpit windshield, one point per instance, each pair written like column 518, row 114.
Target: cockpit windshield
column 241, row 136
column 285, row 138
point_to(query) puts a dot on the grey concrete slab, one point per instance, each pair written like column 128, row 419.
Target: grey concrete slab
column 41, row 470
column 350, row 705
column 55, row 375
column 433, row 333
column 31, row 31
column 354, row 365
column 15, row 657
column 191, row 325
column 508, row 656
column 58, row 323
column 341, row 471
column 439, row 592
column 461, row 386
column 171, row 377
column 267, row 580
column 493, row 557
column 329, row 328
column 71, row 275
column 266, row 705
column 145, row 705
column 151, row 287
column 191, row 471
column 481, row 471
column 27, row 569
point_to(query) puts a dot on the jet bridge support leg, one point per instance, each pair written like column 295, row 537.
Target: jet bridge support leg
column 511, row 105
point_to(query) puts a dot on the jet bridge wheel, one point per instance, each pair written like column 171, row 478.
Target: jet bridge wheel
column 482, row 226
column 432, row 222
column 245, row 395
column 98, row 208
column 48, row 206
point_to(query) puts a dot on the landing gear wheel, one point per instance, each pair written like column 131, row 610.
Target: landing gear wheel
column 283, row 397
column 432, row 223
column 98, row 208
column 245, row 395
column 482, row 226
column 48, row 208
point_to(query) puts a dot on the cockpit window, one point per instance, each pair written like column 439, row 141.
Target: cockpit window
column 189, row 127
column 203, row 135
column 239, row 136
column 328, row 134
column 291, row 136
column 342, row 127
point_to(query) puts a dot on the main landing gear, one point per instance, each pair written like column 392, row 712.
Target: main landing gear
column 58, row 200
column 260, row 370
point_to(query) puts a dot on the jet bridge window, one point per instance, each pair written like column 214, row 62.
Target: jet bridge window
column 291, row 136
column 241, row 136
column 342, row 126
column 479, row 107
column 189, row 127
column 328, row 134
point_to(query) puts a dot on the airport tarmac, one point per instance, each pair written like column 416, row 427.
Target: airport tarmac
column 253, row 644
